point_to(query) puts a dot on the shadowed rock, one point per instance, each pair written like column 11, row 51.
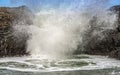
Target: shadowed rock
column 116, row 37
column 110, row 44
column 10, row 45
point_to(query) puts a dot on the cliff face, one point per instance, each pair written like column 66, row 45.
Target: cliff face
column 116, row 53
column 110, row 45
column 9, row 44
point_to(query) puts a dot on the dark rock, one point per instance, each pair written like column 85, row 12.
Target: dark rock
column 109, row 44
column 116, row 9
column 116, row 37
column 100, row 43
column 11, row 45
column 115, row 53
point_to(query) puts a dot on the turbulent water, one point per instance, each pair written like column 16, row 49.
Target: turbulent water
column 74, row 65
column 56, row 34
column 59, row 32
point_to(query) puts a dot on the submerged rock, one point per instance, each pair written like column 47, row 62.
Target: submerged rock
column 11, row 45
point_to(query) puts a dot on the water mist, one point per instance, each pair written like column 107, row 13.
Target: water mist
column 59, row 32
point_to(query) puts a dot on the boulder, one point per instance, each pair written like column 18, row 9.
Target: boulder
column 110, row 44
column 11, row 45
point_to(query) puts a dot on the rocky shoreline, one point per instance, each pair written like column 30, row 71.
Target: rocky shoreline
column 110, row 45
column 10, row 46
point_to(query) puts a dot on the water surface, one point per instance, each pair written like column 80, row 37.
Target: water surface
column 74, row 65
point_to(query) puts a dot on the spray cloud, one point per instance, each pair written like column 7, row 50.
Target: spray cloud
column 59, row 31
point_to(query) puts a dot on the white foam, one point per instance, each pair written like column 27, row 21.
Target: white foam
column 101, row 62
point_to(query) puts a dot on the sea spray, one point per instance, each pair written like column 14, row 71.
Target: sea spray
column 58, row 32
column 62, row 34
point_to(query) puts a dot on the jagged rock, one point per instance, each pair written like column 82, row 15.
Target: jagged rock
column 116, row 53
column 116, row 9
column 97, row 40
column 10, row 45
column 110, row 44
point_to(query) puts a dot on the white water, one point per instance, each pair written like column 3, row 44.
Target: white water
column 56, row 34
column 28, row 64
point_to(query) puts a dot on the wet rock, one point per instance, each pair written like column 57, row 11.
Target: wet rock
column 97, row 40
column 116, row 10
column 109, row 44
column 116, row 53
column 11, row 45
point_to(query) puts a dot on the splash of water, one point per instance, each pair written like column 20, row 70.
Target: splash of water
column 59, row 32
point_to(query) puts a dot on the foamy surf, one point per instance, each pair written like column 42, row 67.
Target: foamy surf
column 77, row 62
